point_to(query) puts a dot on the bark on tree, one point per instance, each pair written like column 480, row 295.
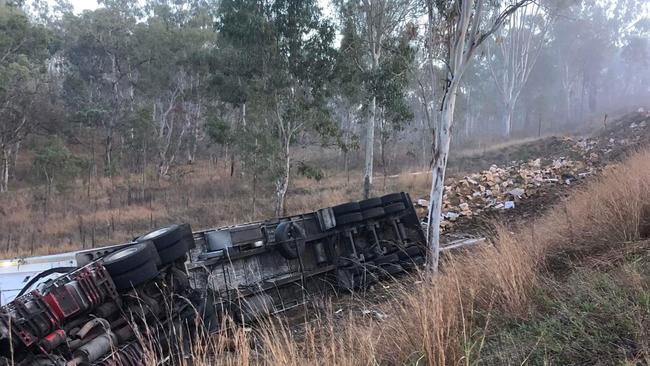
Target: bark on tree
column 282, row 183
column 4, row 171
column 369, row 147
column 108, row 153
column 442, row 140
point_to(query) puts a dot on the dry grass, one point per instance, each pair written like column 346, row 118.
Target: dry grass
column 444, row 319
column 112, row 211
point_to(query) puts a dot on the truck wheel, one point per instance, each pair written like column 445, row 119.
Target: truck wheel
column 292, row 239
column 127, row 259
column 370, row 203
column 349, row 218
column 145, row 272
column 392, row 198
column 168, row 236
column 174, row 252
column 394, row 208
column 345, row 208
column 373, row 213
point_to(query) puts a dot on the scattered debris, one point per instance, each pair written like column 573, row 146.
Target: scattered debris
column 374, row 314
column 501, row 187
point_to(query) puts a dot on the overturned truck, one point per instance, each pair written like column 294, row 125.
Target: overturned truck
column 116, row 301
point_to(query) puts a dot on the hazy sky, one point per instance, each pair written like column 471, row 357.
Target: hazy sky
column 81, row 5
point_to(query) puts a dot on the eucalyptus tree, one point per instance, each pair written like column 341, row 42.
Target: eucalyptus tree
column 175, row 41
column 390, row 89
column 372, row 30
column 464, row 26
column 102, row 69
column 288, row 61
column 513, row 55
column 348, row 91
column 236, row 70
column 24, row 49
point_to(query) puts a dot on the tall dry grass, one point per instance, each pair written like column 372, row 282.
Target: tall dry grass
column 444, row 319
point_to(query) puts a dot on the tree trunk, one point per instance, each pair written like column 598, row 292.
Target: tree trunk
column 108, row 158
column 282, row 183
column 4, row 171
column 254, row 205
column 14, row 159
column 382, row 153
column 510, row 111
column 442, row 139
column 370, row 142
column 255, row 167
column 346, row 164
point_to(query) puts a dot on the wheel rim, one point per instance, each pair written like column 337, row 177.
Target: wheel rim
column 155, row 233
column 123, row 253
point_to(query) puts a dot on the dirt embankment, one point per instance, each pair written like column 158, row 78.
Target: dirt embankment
column 519, row 182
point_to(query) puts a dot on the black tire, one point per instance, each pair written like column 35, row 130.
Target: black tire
column 346, row 208
column 350, row 218
column 391, row 258
column 392, row 198
column 167, row 236
column 174, row 252
column 373, row 213
column 370, row 203
column 394, row 208
column 127, row 259
column 187, row 234
column 291, row 238
column 145, row 272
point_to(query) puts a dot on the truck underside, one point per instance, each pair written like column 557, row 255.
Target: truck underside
column 171, row 283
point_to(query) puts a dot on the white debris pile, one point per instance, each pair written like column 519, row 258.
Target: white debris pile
column 502, row 187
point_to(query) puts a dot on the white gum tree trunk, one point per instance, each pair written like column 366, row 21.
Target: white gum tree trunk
column 370, row 149
column 442, row 140
column 465, row 35
column 282, row 183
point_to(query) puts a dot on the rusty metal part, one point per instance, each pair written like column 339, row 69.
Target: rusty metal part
column 96, row 348
column 90, row 325
column 53, row 340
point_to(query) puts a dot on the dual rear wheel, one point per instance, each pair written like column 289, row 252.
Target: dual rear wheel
column 139, row 263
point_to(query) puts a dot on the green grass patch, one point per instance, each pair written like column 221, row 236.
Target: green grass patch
column 590, row 317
